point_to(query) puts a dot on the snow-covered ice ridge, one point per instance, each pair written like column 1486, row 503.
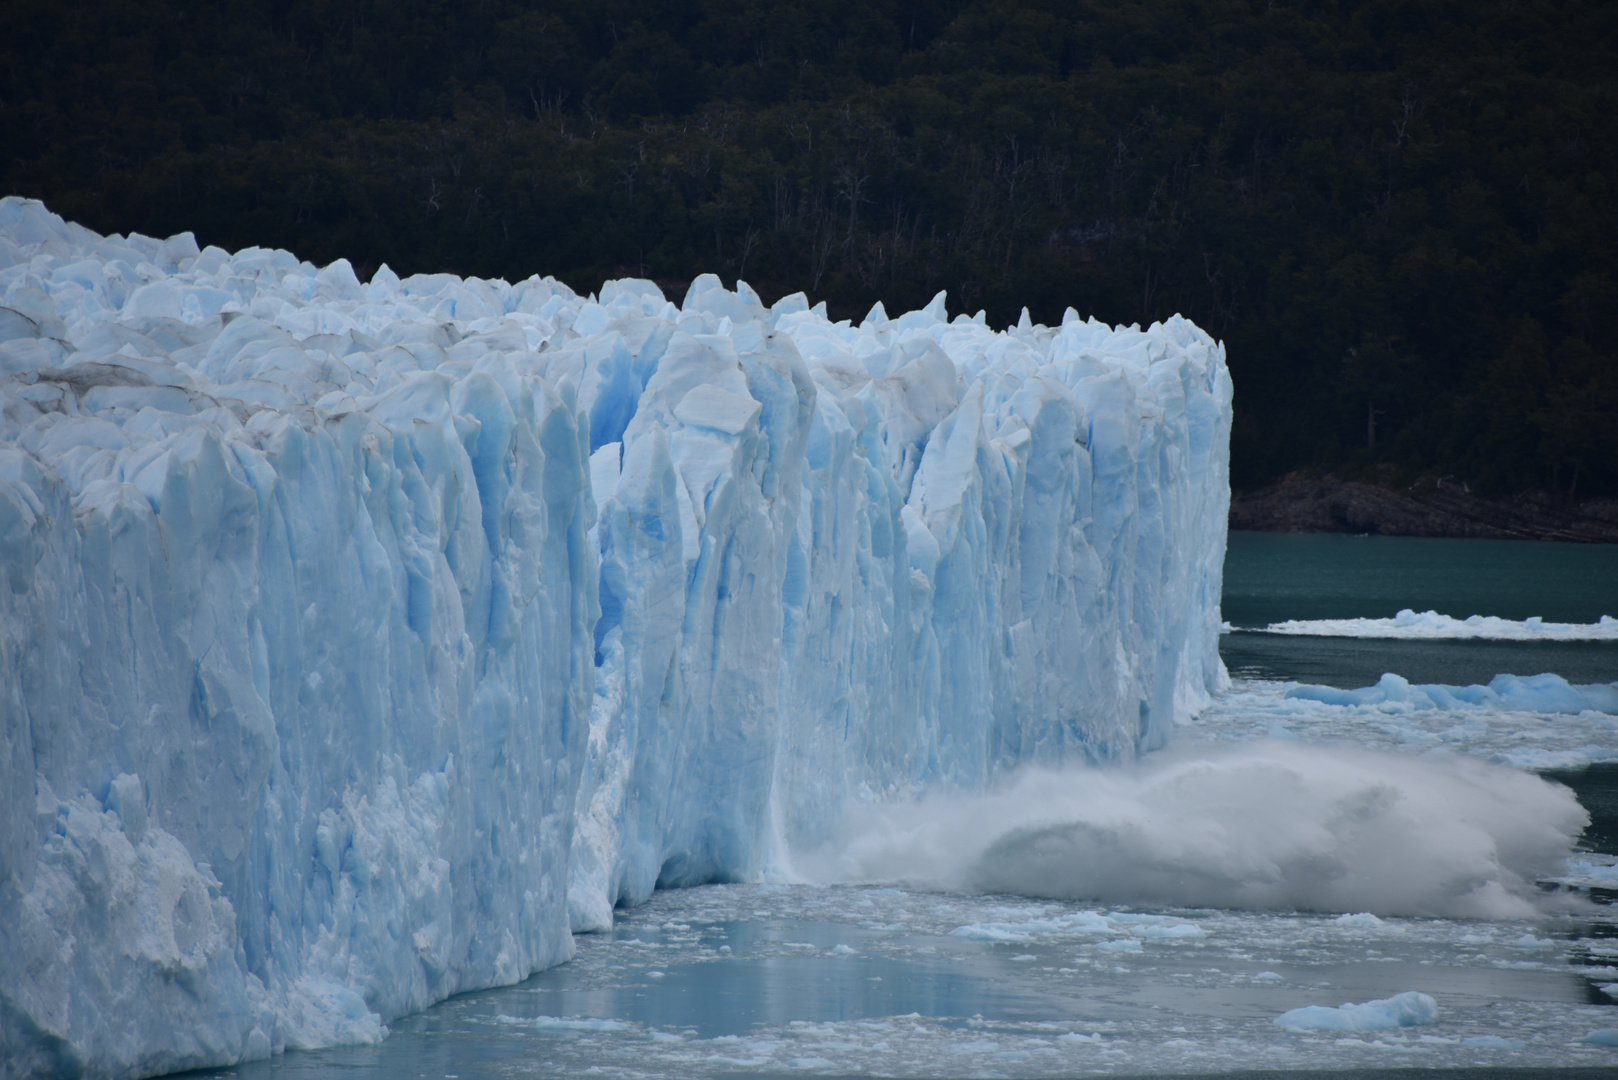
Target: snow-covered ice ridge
column 359, row 640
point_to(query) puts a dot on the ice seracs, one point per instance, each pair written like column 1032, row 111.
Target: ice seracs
column 360, row 640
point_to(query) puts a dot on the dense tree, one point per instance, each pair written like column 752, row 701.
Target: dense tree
column 1397, row 213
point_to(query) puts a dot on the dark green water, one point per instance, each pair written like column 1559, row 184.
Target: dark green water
column 1270, row 577
column 1273, row 577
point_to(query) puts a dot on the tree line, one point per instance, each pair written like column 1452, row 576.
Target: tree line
column 1396, row 213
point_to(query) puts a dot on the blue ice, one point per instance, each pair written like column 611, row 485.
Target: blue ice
column 359, row 641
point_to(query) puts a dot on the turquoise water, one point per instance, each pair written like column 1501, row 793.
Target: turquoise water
column 791, row 979
column 1273, row 577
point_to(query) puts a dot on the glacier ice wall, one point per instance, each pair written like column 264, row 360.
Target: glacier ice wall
column 358, row 641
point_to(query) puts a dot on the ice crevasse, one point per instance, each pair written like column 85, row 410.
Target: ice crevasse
column 361, row 641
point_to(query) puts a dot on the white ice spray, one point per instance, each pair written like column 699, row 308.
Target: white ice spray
column 1268, row 825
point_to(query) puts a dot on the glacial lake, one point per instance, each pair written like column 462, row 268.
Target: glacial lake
column 788, row 978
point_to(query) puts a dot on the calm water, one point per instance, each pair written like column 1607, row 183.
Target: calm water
column 743, row 980
column 1272, row 577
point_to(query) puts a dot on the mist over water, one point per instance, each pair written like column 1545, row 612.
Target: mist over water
column 1269, row 825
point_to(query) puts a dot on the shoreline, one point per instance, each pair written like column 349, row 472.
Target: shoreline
column 1309, row 502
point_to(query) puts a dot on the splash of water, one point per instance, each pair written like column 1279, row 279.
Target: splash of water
column 1265, row 826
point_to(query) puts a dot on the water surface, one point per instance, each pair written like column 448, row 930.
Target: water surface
column 1270, row 577
column 1273, row 577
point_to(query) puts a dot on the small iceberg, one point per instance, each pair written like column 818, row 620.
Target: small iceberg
column 1431, row 625
column 1409, row 1009
column 1545, row 693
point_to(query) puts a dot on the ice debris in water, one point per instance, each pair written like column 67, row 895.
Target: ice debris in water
column 1362, row 920
column 1036, row 924
column 1416, row 719
column 1408, row 624
column 360, row 639
column 1409, row 1009
column 1535, row 693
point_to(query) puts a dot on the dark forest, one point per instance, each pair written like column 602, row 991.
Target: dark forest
column 1396, row 213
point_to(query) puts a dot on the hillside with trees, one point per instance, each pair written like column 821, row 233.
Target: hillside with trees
column 1398, row 214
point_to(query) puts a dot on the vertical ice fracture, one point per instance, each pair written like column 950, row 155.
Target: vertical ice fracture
column 359, row 641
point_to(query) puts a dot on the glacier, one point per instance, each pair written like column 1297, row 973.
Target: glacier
column 362, row 641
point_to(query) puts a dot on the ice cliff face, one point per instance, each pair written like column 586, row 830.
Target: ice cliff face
column 358, row 641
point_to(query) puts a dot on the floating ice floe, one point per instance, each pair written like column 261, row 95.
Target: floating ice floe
column 1409, row 1009
column 1533, row 693
column 1516, row 721
column 1409, row 624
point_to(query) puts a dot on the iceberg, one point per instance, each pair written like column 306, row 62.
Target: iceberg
column 1409, row 1009
column 1409, row 625
column 1544, row 693
column 361, row 641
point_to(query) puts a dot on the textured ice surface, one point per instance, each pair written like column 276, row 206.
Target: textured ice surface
column 359, row 639
column 1430, row 625
column 1409, row 1009
column 1412, row 720
column 1546, row 693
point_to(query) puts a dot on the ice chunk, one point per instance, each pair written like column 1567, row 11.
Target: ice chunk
column 1545, row 693
column 1409, row 624
column 1409, row 1009
column 1362, row 920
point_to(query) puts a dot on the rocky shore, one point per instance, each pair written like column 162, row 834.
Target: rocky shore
column 1307, row 502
